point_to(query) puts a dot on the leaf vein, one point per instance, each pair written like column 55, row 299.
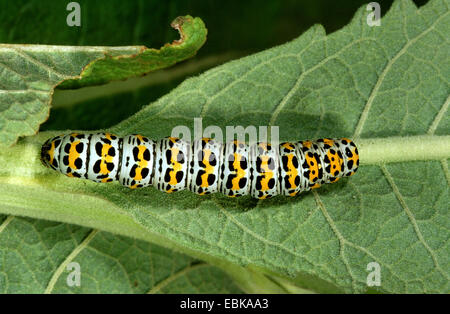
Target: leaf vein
column 39, row 63
column 6, row 222
column 297, row 84
column 444, row 165
column 175, row 276
column 412, row 219
column 387, row 68
column 68, row 259
column 255, row 235
column 439, row 116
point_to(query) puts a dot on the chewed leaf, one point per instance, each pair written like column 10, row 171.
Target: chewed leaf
column 29, row 73
column 118, row 67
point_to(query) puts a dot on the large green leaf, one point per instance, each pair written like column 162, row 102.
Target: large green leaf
column 385, row 86
column 35, row 255
column 29, row 73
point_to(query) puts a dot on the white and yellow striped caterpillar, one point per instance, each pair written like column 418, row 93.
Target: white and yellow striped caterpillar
column 205, row 166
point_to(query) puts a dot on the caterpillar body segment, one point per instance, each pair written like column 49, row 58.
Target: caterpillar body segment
column 204, row 169
column 137, row 161
column 235, row 172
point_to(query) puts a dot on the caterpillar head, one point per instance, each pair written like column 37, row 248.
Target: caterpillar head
column 50, row 152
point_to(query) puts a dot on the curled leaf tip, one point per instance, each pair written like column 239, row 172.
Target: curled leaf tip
column 188, row 26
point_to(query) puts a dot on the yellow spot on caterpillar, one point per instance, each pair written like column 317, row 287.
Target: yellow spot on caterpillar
column 106, row 158
column 51, row 153
column 240, row 173
column 292, row 173
column 140, row 137
column 313, row 167
column 335, row 162
column 289, row 146
column 109, row 136
column 173, row 139
column 355, row 157
column 176, row 166
column 328, row 141
column 73, row 155
column 266, row 172
column 142, row 163
column 208, row 168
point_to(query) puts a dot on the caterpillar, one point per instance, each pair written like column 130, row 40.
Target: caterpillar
column 204, row 166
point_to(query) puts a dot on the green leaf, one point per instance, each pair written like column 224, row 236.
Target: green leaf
column 145, row 60
column 34, row 256
column 386, row 87
column 29, row 73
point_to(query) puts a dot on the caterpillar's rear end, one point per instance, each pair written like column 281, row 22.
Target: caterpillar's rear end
column 204, row 166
